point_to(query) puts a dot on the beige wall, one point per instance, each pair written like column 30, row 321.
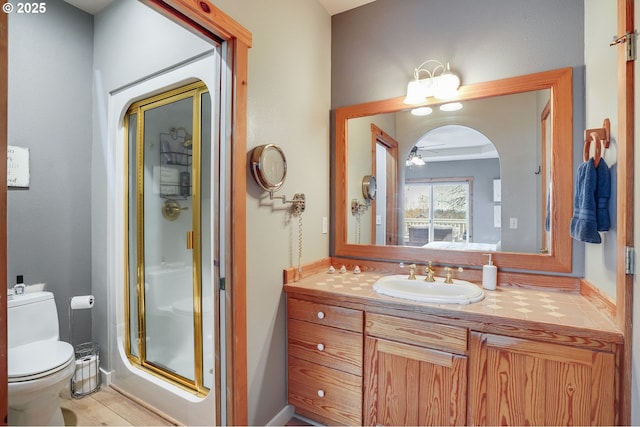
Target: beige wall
column 289, row 101
column 600, row 24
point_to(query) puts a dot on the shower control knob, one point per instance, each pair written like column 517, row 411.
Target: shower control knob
column 320, row 393
column 320, row 347
column 320, row 315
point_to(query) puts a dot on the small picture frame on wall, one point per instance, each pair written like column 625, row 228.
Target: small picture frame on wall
column 17, row 167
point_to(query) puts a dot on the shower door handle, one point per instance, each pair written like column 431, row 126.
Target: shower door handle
column 189, row 239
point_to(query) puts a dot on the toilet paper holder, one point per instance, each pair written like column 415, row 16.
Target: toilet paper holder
column 86, row 378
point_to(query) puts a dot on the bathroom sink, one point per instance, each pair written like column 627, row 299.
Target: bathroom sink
column 459, row 292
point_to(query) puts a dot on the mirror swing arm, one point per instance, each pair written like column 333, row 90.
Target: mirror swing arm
column 369, row 188
column 560, row 257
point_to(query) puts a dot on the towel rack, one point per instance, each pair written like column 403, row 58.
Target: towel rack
column 600, row 136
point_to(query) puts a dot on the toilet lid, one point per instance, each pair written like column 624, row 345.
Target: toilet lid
column 38, row 359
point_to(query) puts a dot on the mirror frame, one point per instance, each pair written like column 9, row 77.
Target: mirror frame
column 560, row 82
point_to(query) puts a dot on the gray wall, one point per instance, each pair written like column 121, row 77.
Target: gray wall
column 376, row 47
column 49, row 224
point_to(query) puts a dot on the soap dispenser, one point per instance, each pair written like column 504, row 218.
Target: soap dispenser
column 19, row 287
column 489, row 275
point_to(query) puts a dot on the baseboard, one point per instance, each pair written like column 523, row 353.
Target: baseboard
column 105, row 377
column 282, row 417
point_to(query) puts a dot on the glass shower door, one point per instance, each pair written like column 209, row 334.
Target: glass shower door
column 168, row 256
column 169, row 211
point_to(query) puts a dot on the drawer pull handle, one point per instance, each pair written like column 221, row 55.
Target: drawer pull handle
column 320, row 347
column 320, row 315
column 320, row 393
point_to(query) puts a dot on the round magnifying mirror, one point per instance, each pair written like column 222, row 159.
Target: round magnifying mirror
column 369, row 187
column 268, row 166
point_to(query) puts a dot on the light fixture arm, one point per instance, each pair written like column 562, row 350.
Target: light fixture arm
column 430, row 72
column 438, row 81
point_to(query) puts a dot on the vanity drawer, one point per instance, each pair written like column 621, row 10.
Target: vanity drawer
column 418, row 332
column 327, row 346
column 328, row 315
column 324, row 394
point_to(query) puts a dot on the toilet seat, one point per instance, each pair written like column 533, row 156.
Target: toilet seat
column 38, row 359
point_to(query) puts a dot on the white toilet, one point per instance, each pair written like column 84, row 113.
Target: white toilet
column 40, row 365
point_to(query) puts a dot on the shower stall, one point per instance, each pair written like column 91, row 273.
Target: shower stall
column 169, row 239
column 169, row 332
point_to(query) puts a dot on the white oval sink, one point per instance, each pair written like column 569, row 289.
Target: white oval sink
column 459, row 292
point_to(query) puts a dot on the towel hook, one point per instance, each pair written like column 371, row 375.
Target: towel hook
column 600, row 136
column 587, row 148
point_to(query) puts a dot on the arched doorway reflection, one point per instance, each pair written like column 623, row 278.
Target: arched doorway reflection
column 452, row 190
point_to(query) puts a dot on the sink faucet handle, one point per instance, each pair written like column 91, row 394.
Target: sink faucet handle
column 448, row 275
column 428, row 271
column 412, row 272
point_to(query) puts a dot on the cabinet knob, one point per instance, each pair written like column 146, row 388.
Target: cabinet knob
column 320, row 347
column 320, row 393
column 320, row 315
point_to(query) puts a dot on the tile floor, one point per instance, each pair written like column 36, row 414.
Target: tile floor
column 107, row 407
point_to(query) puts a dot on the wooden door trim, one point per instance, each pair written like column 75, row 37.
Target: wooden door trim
column 391, row 217
column 625, row 204
column 4, row 62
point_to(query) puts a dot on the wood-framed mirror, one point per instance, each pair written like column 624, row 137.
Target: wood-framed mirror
column 557, row 257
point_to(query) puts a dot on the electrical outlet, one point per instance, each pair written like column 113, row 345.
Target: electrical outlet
column 378, row 219
column 513, row 223
column 325, row 225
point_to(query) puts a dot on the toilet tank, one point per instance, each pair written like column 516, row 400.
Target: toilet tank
column 32, row 317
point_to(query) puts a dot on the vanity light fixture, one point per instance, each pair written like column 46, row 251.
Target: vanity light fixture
column 451, row 106
column 431, row 78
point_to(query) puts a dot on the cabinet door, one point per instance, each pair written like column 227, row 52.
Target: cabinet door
column 522, row 382
column 411, row 385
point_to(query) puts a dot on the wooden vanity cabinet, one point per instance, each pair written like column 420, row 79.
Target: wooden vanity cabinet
column 415, row 372
column 325, row 353
column 375, row 367
column 524, row 382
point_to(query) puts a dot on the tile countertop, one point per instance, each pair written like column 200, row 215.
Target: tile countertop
column 506, row 309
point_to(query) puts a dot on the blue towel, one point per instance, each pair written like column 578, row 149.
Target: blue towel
column 603, row 192
column 584, row 225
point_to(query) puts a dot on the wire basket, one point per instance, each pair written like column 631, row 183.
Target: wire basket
column 86, row 378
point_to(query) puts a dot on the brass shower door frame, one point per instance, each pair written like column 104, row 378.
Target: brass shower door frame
column 195, row 92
